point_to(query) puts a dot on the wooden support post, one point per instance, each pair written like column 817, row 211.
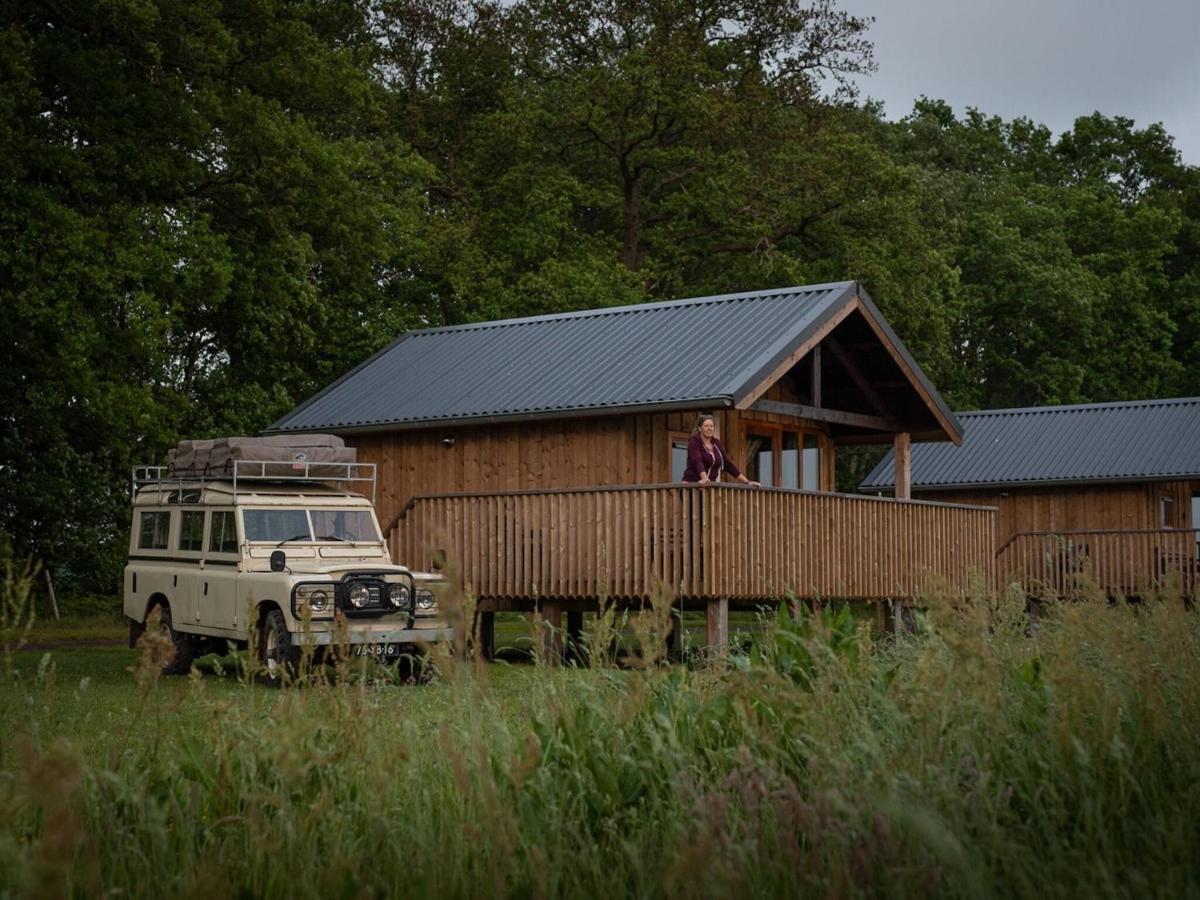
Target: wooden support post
column 675, row 637
column 903, row 444
column 816, row 377
column 575, row 652
column 718, row 626
column 551, row 623
column 486, row 636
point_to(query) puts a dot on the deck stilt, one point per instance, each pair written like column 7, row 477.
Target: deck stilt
column 485, row 635
column 718, row 626
column 574, row 649
column 552, row 643
column 675, row 637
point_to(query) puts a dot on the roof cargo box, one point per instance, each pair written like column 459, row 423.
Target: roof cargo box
column 282, row 456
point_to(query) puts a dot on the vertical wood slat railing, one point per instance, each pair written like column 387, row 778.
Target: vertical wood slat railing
column 1117, row 562
column 717, row 541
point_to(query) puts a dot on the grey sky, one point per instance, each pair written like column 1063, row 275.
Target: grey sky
column 1050, row 61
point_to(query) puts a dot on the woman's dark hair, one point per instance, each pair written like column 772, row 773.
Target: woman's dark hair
column 701, row 420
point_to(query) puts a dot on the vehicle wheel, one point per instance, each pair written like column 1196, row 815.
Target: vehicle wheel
column 279, row 657
column 184, row 650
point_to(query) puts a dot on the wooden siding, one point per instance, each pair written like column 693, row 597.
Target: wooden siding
column 1073, row 508
column 594, row 452
column 696, row 543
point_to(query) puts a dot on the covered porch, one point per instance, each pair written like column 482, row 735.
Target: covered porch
column 573, row 549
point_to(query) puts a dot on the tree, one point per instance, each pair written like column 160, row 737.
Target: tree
column 205, row 216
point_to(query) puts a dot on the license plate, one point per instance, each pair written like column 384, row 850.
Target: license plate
column 379, row 650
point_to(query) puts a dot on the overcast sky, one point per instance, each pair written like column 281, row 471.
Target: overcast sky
column 1048, row 60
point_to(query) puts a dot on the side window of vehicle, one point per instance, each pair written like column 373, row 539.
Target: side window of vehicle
column 153, row 530
column 223, row 536
column 191, row 531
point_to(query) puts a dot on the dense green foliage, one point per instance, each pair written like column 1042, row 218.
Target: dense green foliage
column 973, row 759
column 209, row 210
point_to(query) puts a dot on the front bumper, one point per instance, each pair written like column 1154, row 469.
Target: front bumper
column 375, row 634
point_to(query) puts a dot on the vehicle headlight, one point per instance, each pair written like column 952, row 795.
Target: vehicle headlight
column 398, row 595
column 425, row 600
column 317, row 597
column 360, row 595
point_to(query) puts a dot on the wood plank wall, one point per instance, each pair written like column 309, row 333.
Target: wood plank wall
column 716, row 542
column 1070, row 508
column 595, row 451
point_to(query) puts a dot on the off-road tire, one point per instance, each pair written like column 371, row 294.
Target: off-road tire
column 180, row 662
column 278, row 656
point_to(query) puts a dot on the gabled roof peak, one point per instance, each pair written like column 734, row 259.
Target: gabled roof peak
column 601, row 311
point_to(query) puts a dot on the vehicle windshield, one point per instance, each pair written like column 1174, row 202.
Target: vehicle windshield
column 281, row 525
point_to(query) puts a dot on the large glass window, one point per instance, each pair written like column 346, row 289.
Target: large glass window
column 344, row 525
column 191, row 531
column 812, row 463
column 789, row 461
column 276, row 525
column 760, row 458
column 678, row 457
column 222, row 537
column 153, row 530
column 781, row 457
column 1196, row 521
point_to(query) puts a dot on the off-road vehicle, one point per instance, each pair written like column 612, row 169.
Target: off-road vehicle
column 274, row 554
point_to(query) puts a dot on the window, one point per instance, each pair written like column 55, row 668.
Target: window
column 812, row 463
column 191, row 531
column 1166, row 515
column 276, row 525
column 760, row 457
column 679, row 443
column 781, row 457
column 1196, row 521
column 222, row 537
column 344, row 525
column 153, row 530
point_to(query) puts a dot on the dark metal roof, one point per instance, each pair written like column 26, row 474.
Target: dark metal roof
column 708, row 351
column 1143, row 440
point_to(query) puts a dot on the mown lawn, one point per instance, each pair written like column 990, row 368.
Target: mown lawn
column 976, row 757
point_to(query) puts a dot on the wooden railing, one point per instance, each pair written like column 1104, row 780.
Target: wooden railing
column 1131, row 562
column 717, row 541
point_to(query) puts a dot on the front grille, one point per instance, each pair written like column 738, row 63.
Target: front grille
column 378, row 604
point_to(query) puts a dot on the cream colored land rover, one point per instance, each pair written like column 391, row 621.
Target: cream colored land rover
column 290, row 560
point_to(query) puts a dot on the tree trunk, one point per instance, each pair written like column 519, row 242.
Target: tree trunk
column 631, row 254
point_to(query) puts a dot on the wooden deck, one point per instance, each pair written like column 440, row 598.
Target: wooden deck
column 515, row 549
column 1114, row 562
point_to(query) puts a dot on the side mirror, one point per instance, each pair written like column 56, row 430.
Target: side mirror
column 278, row 561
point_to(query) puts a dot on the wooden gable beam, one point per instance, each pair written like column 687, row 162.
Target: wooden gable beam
column 820, row 414
column 856, row 375
column 911, row 375
column 798, row 354
column 889, row 426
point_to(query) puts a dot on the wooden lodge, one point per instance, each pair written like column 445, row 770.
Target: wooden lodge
column 543, row 455
column 1100, row 497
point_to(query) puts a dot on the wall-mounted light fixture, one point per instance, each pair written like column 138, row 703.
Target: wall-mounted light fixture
column 448, row 441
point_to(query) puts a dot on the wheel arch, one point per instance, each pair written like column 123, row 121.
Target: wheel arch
column 158, row 598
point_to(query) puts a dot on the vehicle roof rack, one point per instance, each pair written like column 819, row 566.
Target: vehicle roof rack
column 258, row 471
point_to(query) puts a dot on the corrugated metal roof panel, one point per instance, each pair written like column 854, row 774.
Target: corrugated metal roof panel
column 623, row 356
column 1141, row 440
column 654, row 355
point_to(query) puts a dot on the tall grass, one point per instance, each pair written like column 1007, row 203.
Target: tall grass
column 980, row 756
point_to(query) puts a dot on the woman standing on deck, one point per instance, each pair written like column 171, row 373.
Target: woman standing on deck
column 706, row 458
